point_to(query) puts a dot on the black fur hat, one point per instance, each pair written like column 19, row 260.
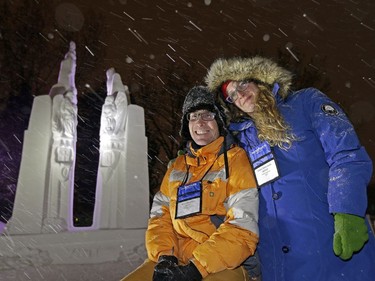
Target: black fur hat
column 199, row 97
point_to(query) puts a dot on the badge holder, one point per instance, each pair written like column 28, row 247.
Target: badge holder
column 264, row 164
column 189, row 200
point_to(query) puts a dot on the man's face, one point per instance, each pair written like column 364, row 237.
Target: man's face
column 244, row 95
column 203, row 127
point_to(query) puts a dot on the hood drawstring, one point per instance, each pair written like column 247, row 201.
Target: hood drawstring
column 276, row 88
column 226, row 158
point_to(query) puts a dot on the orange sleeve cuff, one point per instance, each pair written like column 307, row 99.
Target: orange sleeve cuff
column 200, row 267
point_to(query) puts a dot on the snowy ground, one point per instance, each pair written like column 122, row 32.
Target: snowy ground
column 71, row 256
column 80, row 272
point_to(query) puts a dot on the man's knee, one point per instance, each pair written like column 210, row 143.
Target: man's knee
column 143, row 272
column 238, row 274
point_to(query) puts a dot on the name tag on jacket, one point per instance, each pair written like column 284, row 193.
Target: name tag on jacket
column 264, row 164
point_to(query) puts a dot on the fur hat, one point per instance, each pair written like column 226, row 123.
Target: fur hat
column 258, row 69
column 199, row 97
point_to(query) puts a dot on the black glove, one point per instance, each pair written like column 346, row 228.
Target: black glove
column 185, row 273
column 162, row 270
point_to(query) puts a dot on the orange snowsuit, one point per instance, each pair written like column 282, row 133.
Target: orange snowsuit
column 211, row 247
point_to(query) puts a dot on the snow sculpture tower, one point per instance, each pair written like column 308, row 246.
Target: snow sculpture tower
column 122, row 180
column 44, row 196
column 60, row 187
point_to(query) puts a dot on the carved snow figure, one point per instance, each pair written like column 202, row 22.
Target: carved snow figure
column 64, row 134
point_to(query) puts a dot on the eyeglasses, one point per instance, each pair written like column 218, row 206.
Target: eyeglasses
column 240, row 88
column 205, row 116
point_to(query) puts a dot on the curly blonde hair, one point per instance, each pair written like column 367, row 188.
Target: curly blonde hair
column 265, row 73
column 270, row 124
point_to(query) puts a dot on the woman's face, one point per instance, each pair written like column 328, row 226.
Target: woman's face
column 244, row 95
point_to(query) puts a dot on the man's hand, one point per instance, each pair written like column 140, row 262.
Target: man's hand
column 350, row 235
column 185, row 273
column 162, row 270
column 167, row 269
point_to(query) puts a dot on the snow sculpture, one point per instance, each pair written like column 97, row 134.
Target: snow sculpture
column 58, row 215
column 123, row 161
column 42, row 220
column 50, row 140
column 112, row 124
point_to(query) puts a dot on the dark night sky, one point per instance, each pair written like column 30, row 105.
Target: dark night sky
column 335, row 38
column 141, row 39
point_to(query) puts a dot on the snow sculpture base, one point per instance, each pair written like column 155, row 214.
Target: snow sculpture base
column 83, row 247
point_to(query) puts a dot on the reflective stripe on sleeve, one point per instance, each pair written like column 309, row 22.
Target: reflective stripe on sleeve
column 244, row 207
column 160, row 200
column 176, row 175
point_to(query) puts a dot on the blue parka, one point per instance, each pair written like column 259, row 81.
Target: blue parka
column 325, row 171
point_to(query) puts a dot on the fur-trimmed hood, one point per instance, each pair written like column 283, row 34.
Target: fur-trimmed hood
column 257, row 68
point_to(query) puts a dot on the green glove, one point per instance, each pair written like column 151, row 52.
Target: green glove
column 350, row 235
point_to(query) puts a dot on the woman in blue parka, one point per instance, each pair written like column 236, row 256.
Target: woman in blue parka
column 311, row 170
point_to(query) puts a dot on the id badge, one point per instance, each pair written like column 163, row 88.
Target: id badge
column 264, row 164
column 189, row 200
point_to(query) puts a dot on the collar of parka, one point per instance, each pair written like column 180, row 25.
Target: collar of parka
column 204, row 155
column 259, row 69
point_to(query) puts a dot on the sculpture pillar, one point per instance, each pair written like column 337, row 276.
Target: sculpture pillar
column 122, row 193
column 59, row 207
column 44, row 196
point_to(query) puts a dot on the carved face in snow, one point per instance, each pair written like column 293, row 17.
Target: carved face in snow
column 109, row 112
